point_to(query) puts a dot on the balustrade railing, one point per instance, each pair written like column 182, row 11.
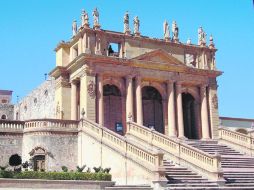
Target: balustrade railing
column 239, row 141
column 179, row 152
column 150, row 159
column 11, row 126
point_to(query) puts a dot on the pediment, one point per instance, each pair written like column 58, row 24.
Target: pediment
column 159, row 56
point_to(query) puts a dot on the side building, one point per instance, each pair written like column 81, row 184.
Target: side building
column 38, row 104
column 6, row 107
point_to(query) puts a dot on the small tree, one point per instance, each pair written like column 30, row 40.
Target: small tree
column 15, row 160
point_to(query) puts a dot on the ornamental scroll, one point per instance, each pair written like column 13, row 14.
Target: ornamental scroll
column 91, row 89
column 215, row 101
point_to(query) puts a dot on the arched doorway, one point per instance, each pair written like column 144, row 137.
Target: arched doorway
column 38, row 158
column 189, row 117
column 152, row 108
column 112, row 108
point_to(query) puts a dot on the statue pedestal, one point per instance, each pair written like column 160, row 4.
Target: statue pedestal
column 137, row 34
column 97, row 27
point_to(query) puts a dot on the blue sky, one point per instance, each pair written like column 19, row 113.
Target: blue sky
column 30, row 30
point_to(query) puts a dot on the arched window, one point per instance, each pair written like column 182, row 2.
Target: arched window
column 3, row 117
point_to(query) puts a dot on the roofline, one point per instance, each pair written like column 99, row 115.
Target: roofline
column 236, row 119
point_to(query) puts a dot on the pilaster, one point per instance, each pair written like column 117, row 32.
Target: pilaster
column 88, row 95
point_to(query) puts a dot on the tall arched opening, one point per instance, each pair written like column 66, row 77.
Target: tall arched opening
column 112, row 99
column 152, row 108
column 191, row 130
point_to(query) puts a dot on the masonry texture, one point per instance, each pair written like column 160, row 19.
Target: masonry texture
column 38, row 104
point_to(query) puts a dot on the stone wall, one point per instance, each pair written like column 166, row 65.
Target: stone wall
column 40, row 103
column 9, row 144
column 7, row 110
column 62, row 149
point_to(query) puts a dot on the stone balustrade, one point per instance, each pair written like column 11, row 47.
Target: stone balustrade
column 209, row 165
column 11, row 126
column 51, row 125
column 150, row 159
column 239, row 141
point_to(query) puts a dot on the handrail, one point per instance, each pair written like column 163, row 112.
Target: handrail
column 179, row 151
column 242, row 141
column 152, row 160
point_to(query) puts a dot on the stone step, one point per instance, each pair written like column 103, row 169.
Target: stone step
column 129, row 187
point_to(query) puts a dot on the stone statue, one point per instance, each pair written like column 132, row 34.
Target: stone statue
column 136, row 25
column 96, row 18
column 201, row 36
column 74, row 28
column 211, row 45
column 84, row 19
column 188, row 41
column 175, row 31
column 126, row 23
column 166, row 30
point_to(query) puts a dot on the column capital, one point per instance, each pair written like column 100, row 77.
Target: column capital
column 129, row 77
column 138, row 79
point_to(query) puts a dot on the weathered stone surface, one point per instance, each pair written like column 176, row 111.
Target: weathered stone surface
column 40, row 103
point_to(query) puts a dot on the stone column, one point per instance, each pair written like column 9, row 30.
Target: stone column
column 73, row 100
column 204, row 113
column 139, row 101
column 171, row 110
column 129, row 99
column 180, row 111
column 100, row 100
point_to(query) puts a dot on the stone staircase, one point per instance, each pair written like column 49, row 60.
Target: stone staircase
column 182, row 178
column 238, row 168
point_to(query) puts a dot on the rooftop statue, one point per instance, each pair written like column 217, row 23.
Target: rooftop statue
column 201, row 36
column 175, row 31
column 96, row 24
column 188, row 41
column 84, row 19
column 74, row 28
column 166, row 31
column 126, row 23
column 211, row 44
column 136, row 25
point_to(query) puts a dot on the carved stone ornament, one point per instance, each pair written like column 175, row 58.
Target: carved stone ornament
column 215, row 101
column 91, row 89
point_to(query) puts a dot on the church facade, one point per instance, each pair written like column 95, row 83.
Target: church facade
column 139, row 105
column 159, row 83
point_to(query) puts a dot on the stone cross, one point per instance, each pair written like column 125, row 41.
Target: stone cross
column 166, row 31
column 175, row 31
column 126, row 23
column 96, row 24
column 74, row 28
column 136, row 26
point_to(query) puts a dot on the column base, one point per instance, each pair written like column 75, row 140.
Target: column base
column 98, row 52
column 182, row 138
column 87, row 51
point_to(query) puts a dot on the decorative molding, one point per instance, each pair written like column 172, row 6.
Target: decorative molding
column 91, row 89
column 215, row 101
